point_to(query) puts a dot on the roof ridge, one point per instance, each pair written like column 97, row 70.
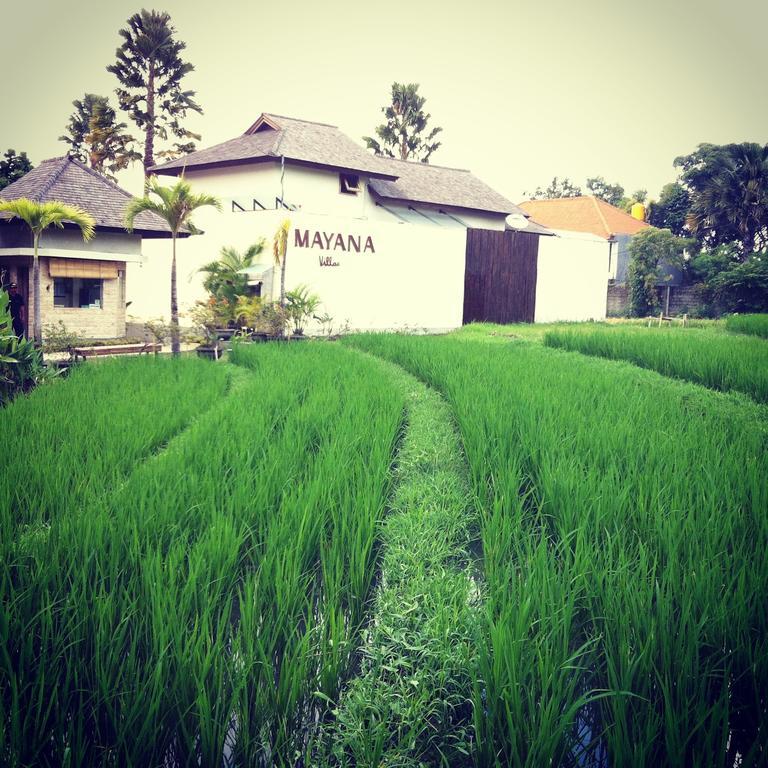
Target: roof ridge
column 600, row 214
column 299, row 120
column 419, row 163
column 63, row 160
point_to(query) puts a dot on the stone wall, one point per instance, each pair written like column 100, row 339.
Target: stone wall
column 683, row 299
column 618, row 300
column 107, row 322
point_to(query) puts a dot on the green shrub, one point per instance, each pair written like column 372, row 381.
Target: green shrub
column 21, row 363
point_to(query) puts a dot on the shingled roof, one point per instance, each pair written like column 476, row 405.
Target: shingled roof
column 435, row 185
column 273, row 137
column 583, row 214
column 69, row 181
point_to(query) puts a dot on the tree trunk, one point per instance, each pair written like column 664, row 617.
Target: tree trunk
column 175, row 346
column 282, row 278
column 37, row 329
column 149, row 139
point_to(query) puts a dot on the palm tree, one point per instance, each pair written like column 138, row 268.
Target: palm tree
column 729, row 194
column 176, row 205
column 279, row 249
column 224, row 278
column 39, row 216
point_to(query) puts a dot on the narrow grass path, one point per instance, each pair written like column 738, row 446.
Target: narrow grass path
column 409, row 706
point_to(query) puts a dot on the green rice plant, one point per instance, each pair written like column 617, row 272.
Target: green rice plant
column 66, row 443
column 754, row 325
column 624, row 532
column 208, row 608
column 719, row 361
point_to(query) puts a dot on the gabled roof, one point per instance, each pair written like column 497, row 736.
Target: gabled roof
column 69, row 181
column 272, row 137
column 435, row 185
column 583, row 214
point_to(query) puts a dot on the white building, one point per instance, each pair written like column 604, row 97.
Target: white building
column 383, row 242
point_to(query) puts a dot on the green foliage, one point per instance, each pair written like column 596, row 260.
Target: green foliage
column 409, row 704
column 752, row 325
column 273, row 319
column 249, row 311
column 13, row 167
column 158, row 330
column 300, row 306
column 611, row 193
column 97, row 139
column 671, row 210
column 720, row 362
column 404, row 135
column 223, row 278
column 647, row 250
column 728, row 186
column 731, row 283
column 623, row 528
column 57, row 338
column 556, row 189
column 21, row 364
column 150, row 70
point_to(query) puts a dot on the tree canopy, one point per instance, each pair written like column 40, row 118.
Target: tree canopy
column 13, row 167
column 728, row 187
column 671, row 209
column 405, row 134
column 96, row 138
column 557, row 188
column 611, row 193
column 150, row 71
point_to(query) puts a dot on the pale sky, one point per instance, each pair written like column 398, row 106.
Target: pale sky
column 523, row 91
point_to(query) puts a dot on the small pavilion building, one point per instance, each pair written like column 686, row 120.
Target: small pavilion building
column 82, row 284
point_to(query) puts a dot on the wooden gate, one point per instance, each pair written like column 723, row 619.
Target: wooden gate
column 500, row 276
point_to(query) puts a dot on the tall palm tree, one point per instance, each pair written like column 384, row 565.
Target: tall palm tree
column 729, row 194
column 224, row 278
column 39, row 216
column 174, row 204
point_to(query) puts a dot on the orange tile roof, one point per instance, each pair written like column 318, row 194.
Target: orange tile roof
column 583, row 214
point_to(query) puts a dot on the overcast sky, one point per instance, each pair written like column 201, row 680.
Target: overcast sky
column 523, row 91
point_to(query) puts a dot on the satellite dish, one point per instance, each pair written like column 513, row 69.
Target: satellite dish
column 517, row 221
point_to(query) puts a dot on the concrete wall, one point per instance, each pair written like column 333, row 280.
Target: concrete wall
column 407, row 275
column 572, row 278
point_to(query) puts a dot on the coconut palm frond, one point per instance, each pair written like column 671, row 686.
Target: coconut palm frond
column 39, row 216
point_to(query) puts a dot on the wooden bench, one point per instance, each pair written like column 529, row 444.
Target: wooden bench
column 662, row 318
column 118, row 349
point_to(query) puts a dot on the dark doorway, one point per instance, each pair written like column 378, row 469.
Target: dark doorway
column 500, row 276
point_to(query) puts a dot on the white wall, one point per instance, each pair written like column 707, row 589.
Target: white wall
column 411, row 277
column 572, row 280
column 419, row 253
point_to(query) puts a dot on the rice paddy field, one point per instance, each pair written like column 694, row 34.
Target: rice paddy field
column 727, row 362
column 754, row 325
column 215, row 563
